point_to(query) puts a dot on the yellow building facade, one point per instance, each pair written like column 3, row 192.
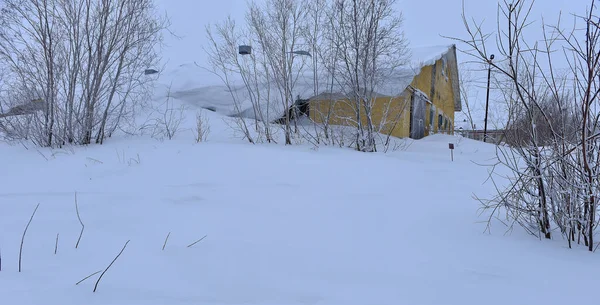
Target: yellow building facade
column 429, row 96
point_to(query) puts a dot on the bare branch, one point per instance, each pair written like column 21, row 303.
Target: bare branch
column 23, row 237
column 111, row 263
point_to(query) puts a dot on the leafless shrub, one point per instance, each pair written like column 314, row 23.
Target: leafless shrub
column 169, row 122
column 554, row 159
column 202, row 127
column 555, row 117
column 164, row 120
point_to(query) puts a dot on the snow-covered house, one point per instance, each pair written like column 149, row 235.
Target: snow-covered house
column 417, row 100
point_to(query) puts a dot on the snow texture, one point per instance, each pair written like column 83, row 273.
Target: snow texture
column 284, row 225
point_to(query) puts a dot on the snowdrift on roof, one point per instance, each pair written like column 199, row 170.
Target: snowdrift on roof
column 187, row 84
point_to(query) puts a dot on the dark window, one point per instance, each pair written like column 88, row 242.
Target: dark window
column 431, row 116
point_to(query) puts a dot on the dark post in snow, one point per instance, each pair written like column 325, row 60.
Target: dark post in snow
column 451, row 146
column 487, row 98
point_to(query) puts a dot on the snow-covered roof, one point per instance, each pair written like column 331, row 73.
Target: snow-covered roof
column 188, row 83
column 428, row 55
column 398, row 80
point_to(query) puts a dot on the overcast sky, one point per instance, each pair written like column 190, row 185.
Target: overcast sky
column 425, row 20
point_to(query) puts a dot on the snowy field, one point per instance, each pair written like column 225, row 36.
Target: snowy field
column 283, row 225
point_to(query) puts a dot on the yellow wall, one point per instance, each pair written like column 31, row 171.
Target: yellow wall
column 342, row 112
column 390, row 114
column 443, row 95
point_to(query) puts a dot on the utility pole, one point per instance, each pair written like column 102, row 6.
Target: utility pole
column 487, row 99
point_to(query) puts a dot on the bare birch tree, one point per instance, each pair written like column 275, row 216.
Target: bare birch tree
column 278, row 26
column 91, row 70
column 353, row 46
column 313, row 35
column 371, row 44
column 224, row 63
column 554, row 159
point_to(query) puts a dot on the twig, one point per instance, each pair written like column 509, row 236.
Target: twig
column 81, row 222
column 87, row 277
column 165, row 244
column 56, row 244
column 111, row 263
column 42, row 154
column 598, row 245
column 23, row 237
column 199, row 240
column 95, row 160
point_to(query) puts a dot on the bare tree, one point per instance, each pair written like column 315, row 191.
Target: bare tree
column 258, row 76
column 314, row 32
column 93, row 55
column 554, row 158
column 278, row 26
column 224, row 63
column 371, row 45
column 562, row 121
column 282, row 32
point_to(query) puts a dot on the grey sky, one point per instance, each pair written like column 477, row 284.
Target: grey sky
column 425, row 21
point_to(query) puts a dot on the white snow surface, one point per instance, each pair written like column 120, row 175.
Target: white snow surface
column 283, row 225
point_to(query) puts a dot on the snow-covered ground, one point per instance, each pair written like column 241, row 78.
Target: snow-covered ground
column 283, row 225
